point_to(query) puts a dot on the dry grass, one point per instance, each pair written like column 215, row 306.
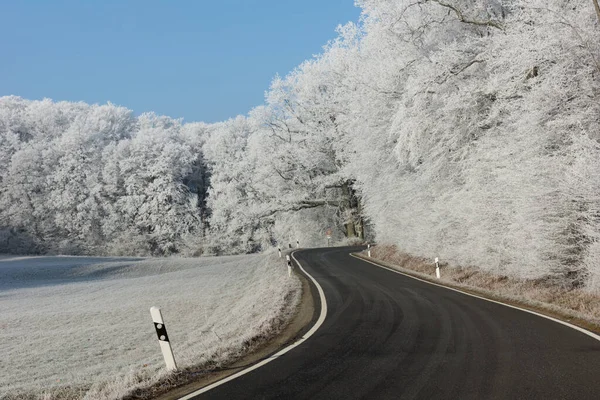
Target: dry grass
column 577, row 305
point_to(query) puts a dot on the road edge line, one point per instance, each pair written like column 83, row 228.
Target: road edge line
column 577, row 328
column 281, row 352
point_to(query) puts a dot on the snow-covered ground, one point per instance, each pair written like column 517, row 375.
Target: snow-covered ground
column 81, row 327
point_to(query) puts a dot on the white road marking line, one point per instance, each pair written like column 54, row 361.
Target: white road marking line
column 308, row 334
column 585, row 331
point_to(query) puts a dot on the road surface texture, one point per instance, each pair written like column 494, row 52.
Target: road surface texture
column 387, row 336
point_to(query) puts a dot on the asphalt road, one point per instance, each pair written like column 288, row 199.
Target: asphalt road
column 387, row 336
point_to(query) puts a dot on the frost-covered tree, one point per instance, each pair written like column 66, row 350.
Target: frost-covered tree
column 95, row 179
column 466, row 130
column 155, row 202
column 76, row 182
column 455, row 124
column 235, row 198
column 302, row 138
column 486, row 101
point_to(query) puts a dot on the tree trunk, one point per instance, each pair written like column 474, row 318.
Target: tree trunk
column 360, row 227
column 350, row 232
column 351, row 208
column 345, row 206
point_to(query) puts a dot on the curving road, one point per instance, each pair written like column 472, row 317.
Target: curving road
column 387, row 336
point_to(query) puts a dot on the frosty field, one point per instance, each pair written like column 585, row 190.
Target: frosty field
column 79, row 327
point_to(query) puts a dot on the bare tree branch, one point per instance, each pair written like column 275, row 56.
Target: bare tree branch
column 457, row 70
column 303, row 205
column 285, row 178
column 583, row 41
column 462, row 18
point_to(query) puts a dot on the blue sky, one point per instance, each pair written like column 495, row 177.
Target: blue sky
column 200, row 60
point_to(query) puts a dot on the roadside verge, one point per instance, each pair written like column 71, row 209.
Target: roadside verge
column 311, row 314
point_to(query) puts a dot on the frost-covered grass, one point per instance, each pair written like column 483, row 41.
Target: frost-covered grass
column 77, row 327
column 543, row 293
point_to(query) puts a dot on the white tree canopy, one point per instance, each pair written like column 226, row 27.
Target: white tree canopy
column 465, row 130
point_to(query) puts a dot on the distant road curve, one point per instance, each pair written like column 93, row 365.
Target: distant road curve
column 388, row 336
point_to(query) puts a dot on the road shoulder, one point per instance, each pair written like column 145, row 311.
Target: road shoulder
column 306, row 315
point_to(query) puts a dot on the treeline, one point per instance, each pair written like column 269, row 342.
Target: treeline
column 81, row 179
column 466, row 130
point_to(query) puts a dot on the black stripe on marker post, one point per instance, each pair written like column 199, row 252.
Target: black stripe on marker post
column 161, row 332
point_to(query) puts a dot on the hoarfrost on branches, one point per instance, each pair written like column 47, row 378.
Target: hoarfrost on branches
column 465, row 130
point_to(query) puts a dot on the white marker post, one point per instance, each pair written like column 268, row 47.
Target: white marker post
column 437, row 268
column 279, row 250
column 289, row 264
column 297, row 244
column 163, row 338
column 369, row 250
